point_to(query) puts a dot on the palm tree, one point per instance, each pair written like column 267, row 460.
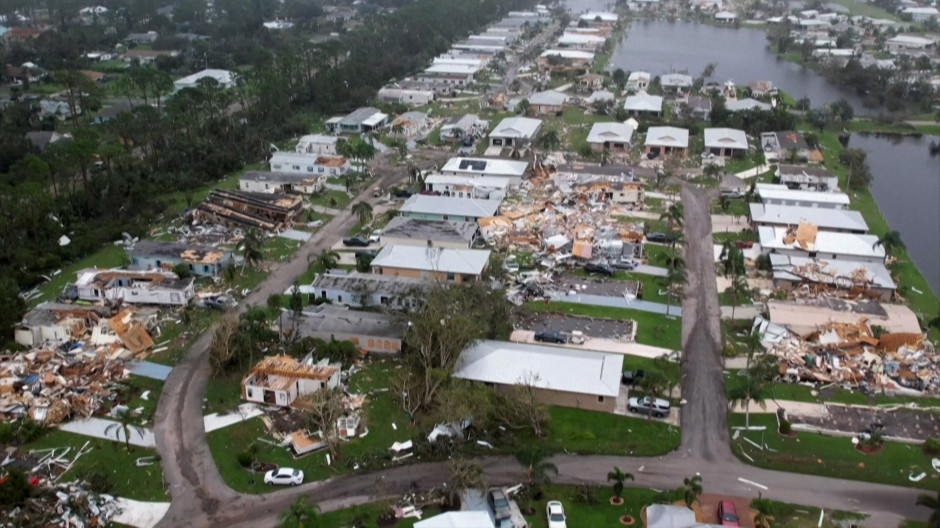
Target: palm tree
column 933, row 503
column 363, row 261
column 889, row 241
column 537, row 468
column 711, row 170
column 363, row 211
column 654, row 383
column 691, row 489
column 675, row 276
column 752, row 390
column 126, row 422
column 673, row 216
column 765, row 510
column 327, row 259
column 739, row 290
column 618, row 477
column 300, row 515
column 732, row 259
column 252, row 247
column 549, row 140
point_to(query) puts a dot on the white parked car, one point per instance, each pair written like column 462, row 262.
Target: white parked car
column 284, row 476
column 556, row 515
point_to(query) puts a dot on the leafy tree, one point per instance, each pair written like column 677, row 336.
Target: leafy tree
column 676, row 277
column 520, row 407
column 859, row 177
column 126, row 422
column 933, row 504
column 691, row 489
column 464, row 475
column 363, row 261
column 538, row 470
column 549, row 140
column 363, row 211
column 523, row 107
column 620, row 78
column 325, row 408
column 252, row 248
column 14, row 489
column 889, row 241
column 751, row 390
column 673, row 216
column 300, row 515
column 739, row 290
column 296, row 301
column 732, row 259
column 274, row 304
column 765, row 511
column 618, row 477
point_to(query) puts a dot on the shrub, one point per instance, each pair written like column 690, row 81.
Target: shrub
column 931, row 446
column 97, row 481
column 785, row 427
column 585, row 494
column 14, row 490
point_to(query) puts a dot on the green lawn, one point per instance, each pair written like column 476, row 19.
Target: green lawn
column 177, row 336
column 735, row 207
column 223, row 393
column 653, row 329
column 865, row 9
column 340, row 198
column 109, row 256
column 594, row 432
column 126, row 479
column 136, row 387
column 279, row 249
column 832, row 456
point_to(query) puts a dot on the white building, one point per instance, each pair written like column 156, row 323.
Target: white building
column 317, row 145
column 644, row 103
column 921, row 14
column 614, row 137
column 132, row 287
column 782, row 195
column 280, row 182
column 807, row 241
column 515, row 132
column 279, row 380
column 638, row 81
column 225, row 78
column 513, row 170
column 406, row 96
column 839, row 220
column 725, row 142
column 482, row 187
column 292, row 162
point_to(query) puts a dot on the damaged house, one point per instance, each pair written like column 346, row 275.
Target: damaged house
column 281, row 182
column 429, row 233
column 435, row 263
column 131, row 287
column 807, row 178
column 871, row 279
column 248, row 209
column 777, row 194
column 370, row 331
column 57, row 323
column 836, row 220
column 365, row 289
column 203, row 261
column 808, row 241
column 279, row 380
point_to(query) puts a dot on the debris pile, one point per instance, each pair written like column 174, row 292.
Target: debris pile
column 69, row 506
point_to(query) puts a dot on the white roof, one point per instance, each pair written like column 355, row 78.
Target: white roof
column 474, row 181
column 639, row 75
column 457, row 519
column 910, row 39
column 643, row 102
column 605, row 17
column 667, row 137
column 676, row 79
column 667, row 516
column 770, row 191
column 725, row 15
column 460, row 69
column 443, row 205
column 548, row 97
column 562, row 369
column 725, row 138
column 456, row 60
column 921, row 10
column 444, row 260
column 568, row 54
column 746, row 104
column 616, row 132
column 517, row 127
column 315, row 139
column 826, row 244
column 374, row 119
column 827, row 271
column 578, row 38
column 224, row 77
column 487, row 166
column 821, row 217
column 600, row 95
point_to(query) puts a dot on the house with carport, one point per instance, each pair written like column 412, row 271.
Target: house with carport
column 549, row 102
column 577, row 378
column 515, row 132
column 725, row 142
column 664, row 141
column 433, row 263
column 611, row 137
column 643, row 104
column 439, row 208
column 372, row 332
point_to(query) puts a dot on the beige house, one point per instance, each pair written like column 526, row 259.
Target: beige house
column 279, row 380
column 663, row 141
column 435, row 263
column 403, row 231
column 578, row 378
column 618, row 192
column 590, row 82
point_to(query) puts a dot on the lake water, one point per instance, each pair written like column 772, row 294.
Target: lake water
column 740, row 55
column 907, row 189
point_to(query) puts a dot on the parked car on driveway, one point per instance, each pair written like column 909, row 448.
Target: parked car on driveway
column 284, row 477
column 356, row 242
column 499, row 503
column 629, row 377
column 601, row 269
column 220, row 302
column 551, row 336
column 555, row 512
column 656, row 236
column 660, row 407
column 727, row 516
column 745, row 244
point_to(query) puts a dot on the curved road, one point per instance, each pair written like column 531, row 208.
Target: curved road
column 201, row 498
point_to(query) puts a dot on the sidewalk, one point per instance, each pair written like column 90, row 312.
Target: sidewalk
column 793, row 407
column 750, row 173
column 140, row 514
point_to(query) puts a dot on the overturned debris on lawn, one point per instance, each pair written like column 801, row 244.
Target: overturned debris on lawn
column 69, row 506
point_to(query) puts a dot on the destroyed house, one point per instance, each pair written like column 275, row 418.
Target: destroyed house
column 808, row 316
column 248, row 209
column 131, row 287
column 370, row 331
column 807, row 241
column 780, row 145
column 806, row 178
column 203, row 261
column 364, row 289
column 57, row 323
column 435, row 263
column 618, row 192
column 578, row 378
column 280, row 182
column 279, row 380
column 447, row 208
column 836, row 220
column 853, row 278
column 403, row 231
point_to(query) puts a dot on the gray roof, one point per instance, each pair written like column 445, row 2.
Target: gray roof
column 442, row 205
column 43, row 314
column 419, row 229
column 360, row 115
column 824, row 218
column 435, row 259
column 329, row 319
column 830, row 271
column 176, row 250
column 577, row 371
column 367, row 282
column 548, row 97
column 279, row 177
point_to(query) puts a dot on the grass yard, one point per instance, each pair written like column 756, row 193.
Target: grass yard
column 176, row 335
column 109, row 256
column 110, row 458
column 332, row 199
column 830, row 456
column 653, row 329
column 735, row 207
column 594, row 432
column 137, row 386
column 865, row 9
column 223, row 393
column 279, row 249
